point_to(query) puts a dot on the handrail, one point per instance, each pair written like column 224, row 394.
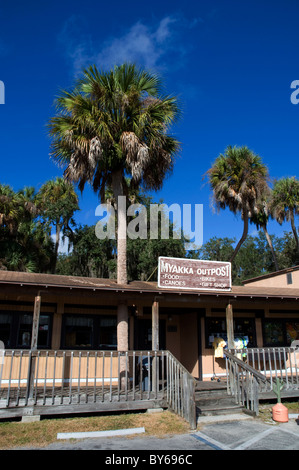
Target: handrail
column 246, row 367
column 181, row 390
column 273, row 362
column 242, row 382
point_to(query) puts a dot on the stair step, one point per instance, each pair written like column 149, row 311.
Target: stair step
column 215, row 411
column 211, row 393
column 214, row 399
column 211, row 399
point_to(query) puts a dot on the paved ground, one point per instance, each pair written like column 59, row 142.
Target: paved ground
column 238, row 432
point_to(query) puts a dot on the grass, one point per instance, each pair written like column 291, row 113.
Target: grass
column 39, row 434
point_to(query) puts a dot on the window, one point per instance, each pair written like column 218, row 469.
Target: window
column 292, row 331
column 107, row 338
column 16, row 330
column 243, row 327
column 273, row 333
column 78, row 332
column 289, row 278
column 89, row 332
column 24, row 331
column 280, row 332
column 5, row 329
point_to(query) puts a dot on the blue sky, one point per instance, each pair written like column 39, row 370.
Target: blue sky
column 231, row 63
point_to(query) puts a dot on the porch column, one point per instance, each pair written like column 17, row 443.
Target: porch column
column 122, row 327
column 123, row 343
column 35, row 322
column 155, row 344
column 230, row 326
column 34, row 337
column 155, row 326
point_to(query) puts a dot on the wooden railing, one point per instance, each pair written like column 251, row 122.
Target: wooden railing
column 181, row 390
column 252, row 373
column 52, row 381
column 273, row 363
column 243, row 382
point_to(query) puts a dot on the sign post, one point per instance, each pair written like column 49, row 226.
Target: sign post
column 189, row 274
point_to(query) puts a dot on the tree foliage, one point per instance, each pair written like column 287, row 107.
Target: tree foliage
column 239, row 180
column 285, row 204
column 57, row 202
column 114, row 125
column 24, row 244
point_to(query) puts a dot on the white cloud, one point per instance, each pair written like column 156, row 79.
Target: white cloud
column 147, row 46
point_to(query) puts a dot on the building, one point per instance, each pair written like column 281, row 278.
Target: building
column 81, row 313
column 288, row 277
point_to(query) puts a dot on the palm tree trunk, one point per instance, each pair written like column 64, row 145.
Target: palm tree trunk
column 122, row 308
column 294, row 230
column 268, row 238
column 120, row 203
column 244, row 236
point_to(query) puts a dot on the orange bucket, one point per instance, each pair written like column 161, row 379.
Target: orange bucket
column 280, row 413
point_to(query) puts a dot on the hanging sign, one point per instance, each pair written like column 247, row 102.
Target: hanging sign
column 182, row 273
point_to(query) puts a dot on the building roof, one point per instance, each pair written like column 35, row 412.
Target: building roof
column 274, row 274
column 41, row 281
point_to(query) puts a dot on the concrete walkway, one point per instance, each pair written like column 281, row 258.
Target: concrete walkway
column 237, row 432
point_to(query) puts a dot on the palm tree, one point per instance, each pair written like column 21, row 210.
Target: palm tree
column 57, row 202
column 238, row 179
column 285, row 203
column 16, row 207
column 112, row 126
column 24, row 245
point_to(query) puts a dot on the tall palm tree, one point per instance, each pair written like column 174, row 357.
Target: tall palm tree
column 114, row 125
column 57, row 202
column 285, row 203
column 238, row 179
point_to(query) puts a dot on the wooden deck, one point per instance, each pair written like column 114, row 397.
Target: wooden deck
column 60, row 382
column 49, row 401
column 69, row 382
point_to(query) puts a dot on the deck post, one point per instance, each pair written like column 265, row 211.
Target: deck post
column 155, row 326
column 230, row 326
column 34, row 338
column 35, row 322
column 155, row 342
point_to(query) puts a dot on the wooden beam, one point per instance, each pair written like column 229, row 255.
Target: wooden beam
column 155, row 326
column 35, row 322
column 155, row 344
column 230, row 326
